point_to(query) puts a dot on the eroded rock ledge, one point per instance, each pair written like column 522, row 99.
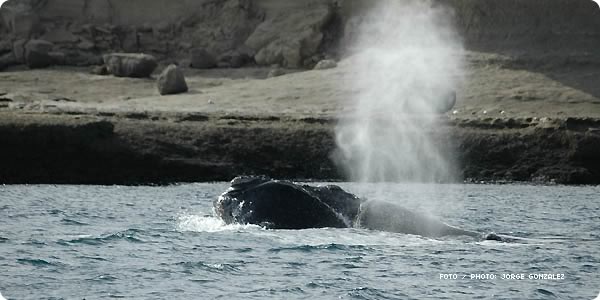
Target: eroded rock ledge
column 86, row 149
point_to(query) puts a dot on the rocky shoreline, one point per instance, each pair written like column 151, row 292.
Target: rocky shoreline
column 265, row 82
column 163, row 148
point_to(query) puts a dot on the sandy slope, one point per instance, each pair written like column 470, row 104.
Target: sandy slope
column 497, row 86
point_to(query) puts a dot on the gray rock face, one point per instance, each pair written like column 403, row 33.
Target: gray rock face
column 19, row 50
column 130, row 64
column 290, row 35
column 279, row 32
column 326, row 64
column 5, row 47
column 7, row 60
column 37, row 54
column 21, row 20
column 202, row 59
column 236, row 58
column 171, row 81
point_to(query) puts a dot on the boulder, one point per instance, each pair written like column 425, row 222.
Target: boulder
column 99, row 70
column 136, row 65
column 236, row 58
column 446, row 103
column 58, row 58
column 7, row 60
column 276, row 73
column 5, row 47
column 281, row 53
column 326, row 64
column 171, row 81
column 311, row 62
column 202, row 59
column 37, row 54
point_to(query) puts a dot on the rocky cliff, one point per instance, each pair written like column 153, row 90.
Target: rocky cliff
column 154, row 149
column 273, row 32
column 529, row 110
column 289, row 33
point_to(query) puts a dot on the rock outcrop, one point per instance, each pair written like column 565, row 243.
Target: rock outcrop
column 289, row 33
column 276, row 72
column 130, row 64
column 202, row 59
column 99, row 70
column 326, row 64
column 37, row 54
column 7, row 60
column 171, row 81
column 115, row 150
column 288, row 36
column 236, row 58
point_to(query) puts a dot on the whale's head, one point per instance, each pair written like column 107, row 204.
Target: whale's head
column 241, row 183
column 284, row 204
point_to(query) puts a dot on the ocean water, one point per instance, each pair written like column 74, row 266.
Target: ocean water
column 98, row 242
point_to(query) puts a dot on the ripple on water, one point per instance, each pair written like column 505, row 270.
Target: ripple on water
column 67, row 221
column 93, row 258
column 545, row 293
column 55, row 212
column 36, row 243
column 129, row 235
column 348, row 266
column 210, row 267
column 372, row 293
column 37, row 262
column 316, row 248
column 103, row 278
column 165, row 246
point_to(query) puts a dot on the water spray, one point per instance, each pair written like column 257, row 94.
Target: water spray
column 406, row 64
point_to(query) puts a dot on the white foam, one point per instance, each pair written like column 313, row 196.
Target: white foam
column 598, row 297
column 200, row 223
column 2, row 297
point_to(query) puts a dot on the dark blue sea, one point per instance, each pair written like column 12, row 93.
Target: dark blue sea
column 99, row 242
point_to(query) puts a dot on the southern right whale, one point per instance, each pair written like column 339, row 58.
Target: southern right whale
column 279, row 204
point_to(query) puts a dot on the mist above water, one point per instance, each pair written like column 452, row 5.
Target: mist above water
column 406, row 63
